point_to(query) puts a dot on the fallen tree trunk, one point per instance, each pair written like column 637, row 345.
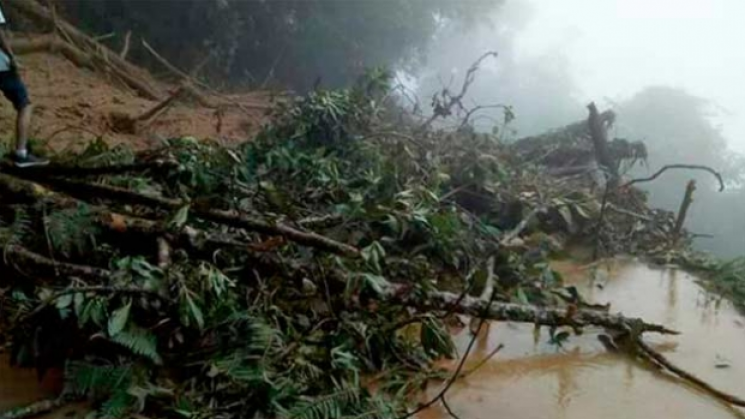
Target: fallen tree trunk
column 29, row 186
column 544, row 316
column 135, row 77
column 53, row 44
column 23, row 259
column 156, row 165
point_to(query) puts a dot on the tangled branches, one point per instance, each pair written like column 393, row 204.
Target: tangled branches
column 274, row 278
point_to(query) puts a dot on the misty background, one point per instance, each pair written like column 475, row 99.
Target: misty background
column 672, row 70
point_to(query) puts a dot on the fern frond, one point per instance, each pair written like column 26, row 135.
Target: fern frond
column 119, row 405
column 236, row 369
column 140, row 342
column 377, row 407
column 98, row 153
column 256, row 335
column 86, row 379
column 18, row 230
column 72, row 230
column 330, row 406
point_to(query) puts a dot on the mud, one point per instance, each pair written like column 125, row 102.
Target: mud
column 531, row 378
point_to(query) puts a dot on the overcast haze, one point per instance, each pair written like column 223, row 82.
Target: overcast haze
column 617, row 47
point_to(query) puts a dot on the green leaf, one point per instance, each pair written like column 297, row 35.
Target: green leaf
column 64, row 301
column 140, row 342
column 180, row 218
column 118, row 319
column 195, row 311
column 521, row 296
column 79, row 299
column 376, row 282
column 435, row 339
column 566, row 214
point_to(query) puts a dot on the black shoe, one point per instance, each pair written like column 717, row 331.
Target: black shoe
column 29, row 161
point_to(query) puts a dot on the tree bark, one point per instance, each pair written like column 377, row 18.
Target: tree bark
column 133, row 76
column 29, row 187
column 544, row 316
column 27, row 262
column 598, row 128
column 683, row 211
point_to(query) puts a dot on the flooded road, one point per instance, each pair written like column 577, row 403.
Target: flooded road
column 530, row 378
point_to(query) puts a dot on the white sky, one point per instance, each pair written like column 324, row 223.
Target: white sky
column 617, row 47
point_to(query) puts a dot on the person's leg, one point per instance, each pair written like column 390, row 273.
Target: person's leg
column 14, row 89
column 23, row 122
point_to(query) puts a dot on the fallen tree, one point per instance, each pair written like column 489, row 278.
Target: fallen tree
column 84, row 50
column 267, row 279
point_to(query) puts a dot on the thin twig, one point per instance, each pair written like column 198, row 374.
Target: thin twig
column 125, row 48
column 483, row 361
column 441, row 394
column 444, row 107
column 512, row 234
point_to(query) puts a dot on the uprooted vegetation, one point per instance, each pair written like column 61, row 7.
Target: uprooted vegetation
column 309, row 273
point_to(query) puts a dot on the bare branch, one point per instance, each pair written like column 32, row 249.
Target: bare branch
column 679, row 166
column 660, row 360
column 444, row 104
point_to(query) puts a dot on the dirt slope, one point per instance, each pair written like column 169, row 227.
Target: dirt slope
column 73, row 106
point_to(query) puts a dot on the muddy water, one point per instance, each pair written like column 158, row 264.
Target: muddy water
column 19, row 387
column 530, row 378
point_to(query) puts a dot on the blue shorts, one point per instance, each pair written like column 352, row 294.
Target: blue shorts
column 13, row 88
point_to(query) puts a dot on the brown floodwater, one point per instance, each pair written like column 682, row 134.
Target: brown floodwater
column 530, row 378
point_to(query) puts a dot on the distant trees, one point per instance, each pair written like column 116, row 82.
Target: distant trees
column 677, row 128
column 293, row 43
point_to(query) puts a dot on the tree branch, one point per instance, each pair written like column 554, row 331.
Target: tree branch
column 660, row 360
column 544, row 316
column 20, row 257
column 679, row 166
column 229, row 218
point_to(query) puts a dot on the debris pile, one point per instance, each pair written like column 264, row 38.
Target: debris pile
column 83, row 90
column 308, row 273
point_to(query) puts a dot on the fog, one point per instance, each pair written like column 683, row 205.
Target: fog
column 616, row 47
column 672, row 71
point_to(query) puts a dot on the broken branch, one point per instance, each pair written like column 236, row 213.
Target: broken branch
column 544, row 316
column 229, row 218
column 660, row 360
column 679, row 166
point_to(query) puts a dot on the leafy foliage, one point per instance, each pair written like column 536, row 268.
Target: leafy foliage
column 234, row 323
column 728, row 279
column 72, row 230
column 140, row 342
